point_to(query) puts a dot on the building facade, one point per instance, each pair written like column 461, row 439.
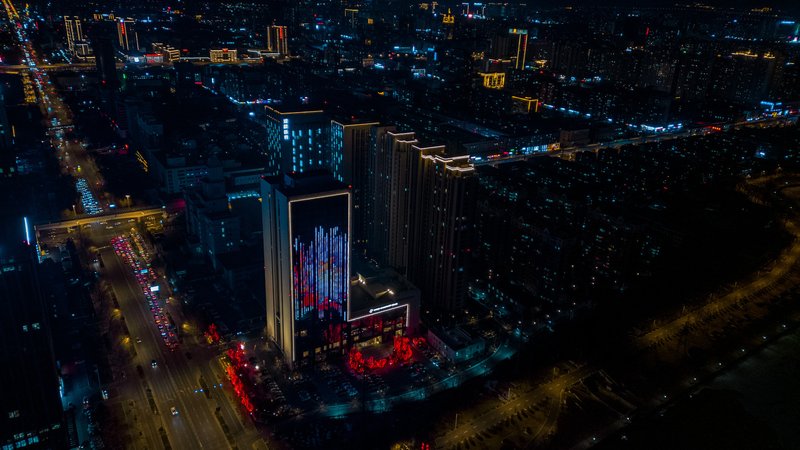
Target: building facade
column 389, row 222
column 296, row 139
column 351, row 150
column 74, row 31
column 126, row 34
column 31, row 414
column 306, row 218
column 444, row 235
column 278, row 40
column 208, row 217
column 223, row 55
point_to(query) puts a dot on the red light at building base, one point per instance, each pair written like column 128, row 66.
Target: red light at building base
column 401, row 353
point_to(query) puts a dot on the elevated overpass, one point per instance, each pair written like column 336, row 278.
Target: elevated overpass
column 81, row 66
column 126, row 214
column 15, row 69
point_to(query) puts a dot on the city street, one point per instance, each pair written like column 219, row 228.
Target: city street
column 72, row 154
column 175, row 382
column 765, row 284
column 540, row 405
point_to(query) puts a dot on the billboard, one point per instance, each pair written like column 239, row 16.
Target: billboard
column 320, row 252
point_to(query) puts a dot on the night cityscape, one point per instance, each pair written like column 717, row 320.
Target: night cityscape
column 395, row 224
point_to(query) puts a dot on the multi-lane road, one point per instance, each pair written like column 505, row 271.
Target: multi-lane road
column 72, row 154
column 145, row 397
column 173, row 383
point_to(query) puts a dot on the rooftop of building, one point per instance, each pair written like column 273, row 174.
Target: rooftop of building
column 373, row 290
column 304, row 183
column 295, row 108
column 456, row 338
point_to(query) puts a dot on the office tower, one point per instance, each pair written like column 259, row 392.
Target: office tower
column 351, row 17
column 419, row 219
column 208, row 217
column 306, row 219
column 72, row 26
column 393, row 193
column 522, row 47
column 104, row 17
column 443, row 234
column 82, row 48
column 126, row 34
column 32, row 413
column 351, row 148
column 105, row 61
column 5, row 126
column 168, row 52
column 296, row 139
column 221, row 55
column 278, row 40
column 745, row 76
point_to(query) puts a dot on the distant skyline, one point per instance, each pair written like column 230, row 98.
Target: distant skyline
column 785, row 6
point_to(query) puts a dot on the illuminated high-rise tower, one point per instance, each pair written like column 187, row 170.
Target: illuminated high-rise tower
column 306, row 219
column 74, row 31
column 278, row 40
column 393, row 193
column 443, row 234
column 350, row 156
column 126, row 34
column 420, row 215
column 296, row 139
column 522, row 47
